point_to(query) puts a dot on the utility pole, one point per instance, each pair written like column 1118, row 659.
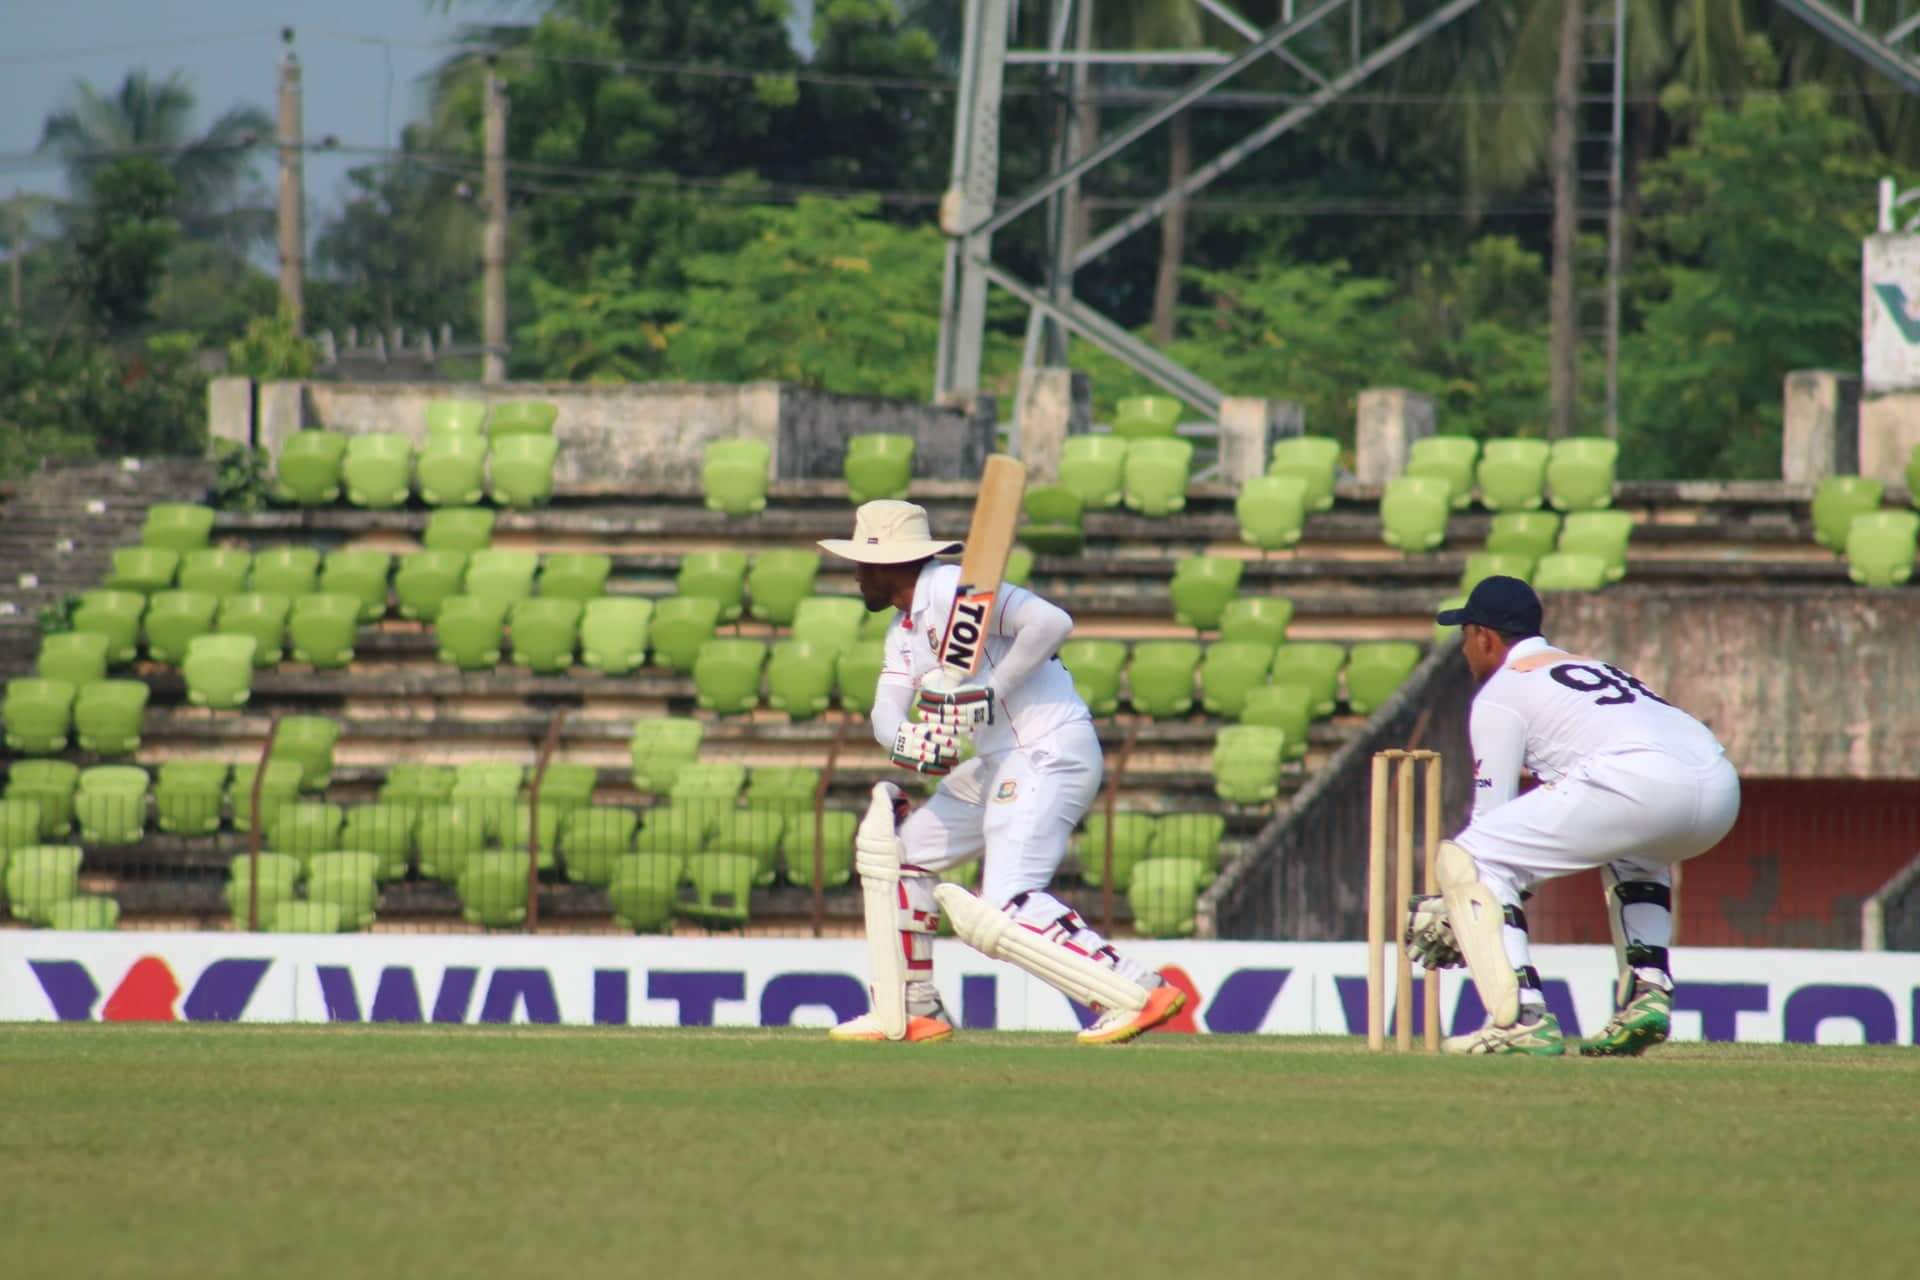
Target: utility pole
column 293, row 237
column 493, row 249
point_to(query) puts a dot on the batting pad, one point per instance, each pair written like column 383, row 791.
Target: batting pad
column 1478, row 922
column 998, row 936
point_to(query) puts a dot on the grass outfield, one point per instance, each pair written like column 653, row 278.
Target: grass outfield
column 244, row 1151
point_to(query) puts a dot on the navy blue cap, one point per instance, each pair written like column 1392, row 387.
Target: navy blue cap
column 1505, row 604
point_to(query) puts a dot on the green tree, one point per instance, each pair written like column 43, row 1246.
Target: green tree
column 121, row 253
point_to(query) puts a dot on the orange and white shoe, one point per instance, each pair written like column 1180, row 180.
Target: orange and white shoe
column 1117, row 1026
column 920, row 1030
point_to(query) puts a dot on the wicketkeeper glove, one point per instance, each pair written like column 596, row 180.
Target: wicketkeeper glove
column 960, row 707
column 1429, row 937
column 926, row 748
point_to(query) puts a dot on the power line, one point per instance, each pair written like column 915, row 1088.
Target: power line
column 140, row 46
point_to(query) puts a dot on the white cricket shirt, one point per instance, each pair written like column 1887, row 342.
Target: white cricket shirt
column 1560, row 715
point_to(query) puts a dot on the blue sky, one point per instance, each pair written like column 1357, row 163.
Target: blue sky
column 362, row 61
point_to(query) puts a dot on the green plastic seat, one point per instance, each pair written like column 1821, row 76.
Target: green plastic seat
column 347, row 880
column 1201, row 587
column 307, row 472
column 681, row 625
column 660, row 749
column 1286, row 707
column 1899, row 521
column 719, row 576
column 38, row 714
column 520, row 471
column 1163, row 896
column 710, row 779
column 426, row 579
column 726, row 675
column 1449, row 458
column 386, row 832
column 754, row 832
column 323, row 629
column 1146, row 417
column 108, row 714
column 172, row 621
column 1413, row 512
column 142, row 569
column 296, row 916
column 613, row 634
column 722, row 889
column 567, row 784
column 308, row 741
column 545, row 632
column 1599, row 533
column 50, row 785
column 501, row 573
column 1094, row 469
column 785, row 789
column 488, row 788
column 643, row 889
column 1512, row 474
column 1230, row 670
column 467, row 529
column 1486, row 564
column 799, row 678
column 1132, row 841
column 857, row 674
column 1095, row 666
column 1312, row 665
column 734, row 476
column 522, row 418
column 414, row 785
column 1052, row 525
column 1524, row 533
column 1445, row 635
column 777, row 581
column 88, row 913
column 1246, row 763
column 219, row 671
column 1312, row 458
column 1837, row 501
column 360, row 574
column 875, row 624
column 286, row 571
column 680, row 826
column 1913, row 476
column 1019, row 570
column 1567, row 572
column 377, row 470
column 1156, row 476
column 39, row 876
column 575, row 575
column 78, row 657
column 1580, row 473
column 452, row 470
column 1197, row 836
column 830, row 623
column 178, row 526
column 1272, row 511
column 19, row 823
column 1160, row 677
column 115, row 615
column 279, row 787
column 303, row 828
column 525, row 824
column 493, row 890
column 221, row 571
column 456, row 417
column 276, row 879
column 592, row 839
column 878, row 466
column 1879, row 553
column 835, row 846
column 110, row 804
column 260, row 615
column 447, row 836
column 1259, row 619
column 1375, row 670
column 188, row 796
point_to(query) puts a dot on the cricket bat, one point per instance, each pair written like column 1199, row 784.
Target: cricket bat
column 996, row 514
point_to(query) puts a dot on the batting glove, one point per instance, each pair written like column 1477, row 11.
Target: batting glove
column 960, row 707
column 1429, row 938
column 926, row 748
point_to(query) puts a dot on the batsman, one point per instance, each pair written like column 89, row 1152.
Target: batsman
column 1036, row 769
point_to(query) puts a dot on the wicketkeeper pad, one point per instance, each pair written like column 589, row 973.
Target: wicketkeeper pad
column 901, row 915
column 998, row 936
column 1478, row 922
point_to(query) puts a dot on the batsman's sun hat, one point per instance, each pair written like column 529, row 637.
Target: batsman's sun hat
column 1504, row 604
column 889, row 532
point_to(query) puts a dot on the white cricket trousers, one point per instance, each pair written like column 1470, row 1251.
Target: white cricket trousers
column 1018, row 808
column 1638, row 812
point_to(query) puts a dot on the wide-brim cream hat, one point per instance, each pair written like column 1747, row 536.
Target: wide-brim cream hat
column 889, row 532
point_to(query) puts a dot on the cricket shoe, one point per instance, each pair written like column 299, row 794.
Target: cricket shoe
column 1117, row 1026
column 1538, row 1038
column 922, row 1028
column 1644, row 1021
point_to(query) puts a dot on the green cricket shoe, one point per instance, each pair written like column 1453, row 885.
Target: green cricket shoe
column 1539, row 1038
column 1636, row 1027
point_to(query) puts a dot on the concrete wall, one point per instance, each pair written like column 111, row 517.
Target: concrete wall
column 1801, row 684
column 1889, row 431
column 620, row 437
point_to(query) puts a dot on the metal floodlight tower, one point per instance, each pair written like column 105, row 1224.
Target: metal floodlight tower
column 971, row 210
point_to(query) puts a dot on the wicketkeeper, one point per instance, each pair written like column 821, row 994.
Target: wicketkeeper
column 1627, row 782
column 1035, row 771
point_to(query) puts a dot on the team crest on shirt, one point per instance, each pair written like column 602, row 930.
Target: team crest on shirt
column 933, row 639
column 1006, row 792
